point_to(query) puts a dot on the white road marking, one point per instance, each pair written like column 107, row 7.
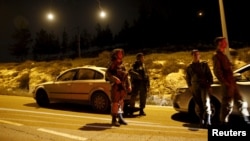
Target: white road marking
column 12, row 123
column 67, row 115
column 62, row 134
column 138, row 123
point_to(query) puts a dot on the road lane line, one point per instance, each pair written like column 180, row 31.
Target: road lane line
column 137, row 123
column 62, row 134
column 12, row 123
column 67, row 115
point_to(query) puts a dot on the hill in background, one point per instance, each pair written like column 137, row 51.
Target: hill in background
column 166, row 72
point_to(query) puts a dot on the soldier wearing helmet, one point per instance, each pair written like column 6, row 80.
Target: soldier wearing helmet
column 120, row 85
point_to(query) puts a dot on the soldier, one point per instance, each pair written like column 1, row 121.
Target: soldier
column 230, row 93
column 120, row 85
column 140, row 83
column 199, row 78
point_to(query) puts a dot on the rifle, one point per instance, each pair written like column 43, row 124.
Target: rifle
column 122, row 75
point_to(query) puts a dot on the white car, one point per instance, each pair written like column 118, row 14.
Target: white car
column 183, row 99
column 84, row 85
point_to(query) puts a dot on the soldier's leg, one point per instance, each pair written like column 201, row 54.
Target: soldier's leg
column 242, row 106
column 114, row 105
column 143, row 98
column 121, row 106
column 206, row 107
column 114, row 113
column 226, row 110
column 226, row 104
column 134, row 95
column 199, row 107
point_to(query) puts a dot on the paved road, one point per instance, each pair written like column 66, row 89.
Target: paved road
column 21, row 118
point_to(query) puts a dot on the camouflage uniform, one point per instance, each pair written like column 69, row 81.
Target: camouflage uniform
column 140, row 84
column 199, row 78
column 118, row 91
column 230, row 93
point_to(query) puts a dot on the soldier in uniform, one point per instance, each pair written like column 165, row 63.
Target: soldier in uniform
column 140, row 83
column 120, row 85
column 199, row 78
column 230, row 93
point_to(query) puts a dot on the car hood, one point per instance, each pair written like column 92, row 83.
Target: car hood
column 46, row 83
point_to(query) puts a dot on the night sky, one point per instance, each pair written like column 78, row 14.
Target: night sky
column 70, row 14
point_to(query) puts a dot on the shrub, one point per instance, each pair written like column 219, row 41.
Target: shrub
column 24, row 81
column 102, row 60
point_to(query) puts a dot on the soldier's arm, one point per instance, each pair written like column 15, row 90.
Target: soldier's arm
column 112, row 78
column 133, row 73
column 209, row 74
column 218, row 70
column 188, row 77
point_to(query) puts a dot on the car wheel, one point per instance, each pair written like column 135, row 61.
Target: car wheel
column 215, row 107
column 42, row 98
column 100, row 102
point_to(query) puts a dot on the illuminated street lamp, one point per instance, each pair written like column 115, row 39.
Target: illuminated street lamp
column 103, row 14
column 50, row 16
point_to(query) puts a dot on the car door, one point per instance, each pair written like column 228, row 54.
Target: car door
column 61, row 88
column 84, row 84
column 243, row 83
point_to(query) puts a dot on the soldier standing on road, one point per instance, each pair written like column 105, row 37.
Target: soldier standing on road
column 120, row 85
column 140, row 83
column 199, row 78
column 230, row 93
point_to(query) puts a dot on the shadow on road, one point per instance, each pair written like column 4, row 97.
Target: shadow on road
column 82, row 108
column 189, row 121
column 185, row 117
column 96, row 127
column 67, row 107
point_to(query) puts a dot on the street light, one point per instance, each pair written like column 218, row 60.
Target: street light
column 103, row 14
column 50, row 16
column 224, row 27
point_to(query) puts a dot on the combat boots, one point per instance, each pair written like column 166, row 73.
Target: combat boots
column 114, row 121
column 142, row 113
column 246, row 119
column 121, row 120
column 208, row 121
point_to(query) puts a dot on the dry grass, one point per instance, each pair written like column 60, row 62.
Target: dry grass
column 20, row 78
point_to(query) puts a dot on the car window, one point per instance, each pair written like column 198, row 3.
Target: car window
column 86, row 74
column 98, row 75
column 68, row 76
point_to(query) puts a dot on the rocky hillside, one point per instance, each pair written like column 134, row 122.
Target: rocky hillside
column 166, row 74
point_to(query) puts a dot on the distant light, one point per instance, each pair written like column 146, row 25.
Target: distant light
column 50, row 16
column 200, row 13
column 102, row 14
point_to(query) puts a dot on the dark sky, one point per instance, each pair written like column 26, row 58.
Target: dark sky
column 84, row 13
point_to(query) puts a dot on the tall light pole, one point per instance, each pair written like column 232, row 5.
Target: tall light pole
column 224, row 27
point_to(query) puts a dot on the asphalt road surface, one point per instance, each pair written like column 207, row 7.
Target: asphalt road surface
column 22, row 119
